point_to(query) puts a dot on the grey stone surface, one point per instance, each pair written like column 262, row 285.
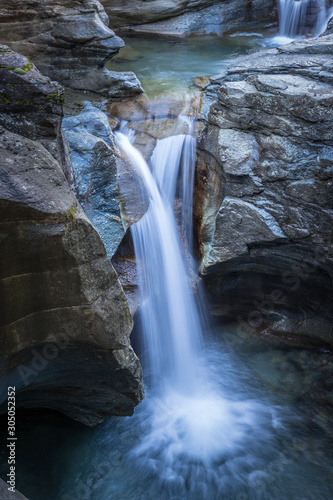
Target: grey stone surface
column 64, row 323
column 94, row 160
column 69, row 41
column 264, row 208
column 9, row 495
column 106, row 185
column 185, row 17
column 31, row 105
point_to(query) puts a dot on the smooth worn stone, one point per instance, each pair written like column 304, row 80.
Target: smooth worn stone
column 264, row 192
column 9, row 495
column 65, row 322
column 69, row 41
column 106, row 185
column 31, row 105
column 183, row 17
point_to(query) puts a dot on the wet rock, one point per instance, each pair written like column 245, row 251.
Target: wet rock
column 68, row 41
column 264, row 192
column 65, row 322
column 179, row 17
column 108, row 189
column 31, row 105
column 9, row 495
column 155, row 119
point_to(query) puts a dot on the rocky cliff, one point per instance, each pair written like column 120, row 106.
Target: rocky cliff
column 65, row 322
column 181, row 17
column 265, row 192
column 69, row 41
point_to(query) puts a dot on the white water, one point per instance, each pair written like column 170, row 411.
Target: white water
column 303, row 18
column 191, row 415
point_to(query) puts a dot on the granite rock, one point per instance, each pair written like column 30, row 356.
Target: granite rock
column 69, row 41
column 264, row 189
column 64, row 323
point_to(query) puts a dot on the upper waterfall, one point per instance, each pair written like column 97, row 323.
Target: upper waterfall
column 304, row 18
column 171, row 324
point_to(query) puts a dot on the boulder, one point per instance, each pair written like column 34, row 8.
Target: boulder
column 65, row 323
column 69, row 41
column 264, row 191
column 31, row 105
column 108, row 188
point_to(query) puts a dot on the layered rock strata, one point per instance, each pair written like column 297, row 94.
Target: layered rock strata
column 183, row 17
column 69, row 41
column 106, row 185
column 265, row 192
column 64, row 323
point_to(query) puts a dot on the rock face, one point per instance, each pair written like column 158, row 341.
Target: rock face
column 106, row 185
column 265, row 192
column 9, row 495
column 181, row 17
column 65, row 322
column 94, row 160
column 109, row 189
column 36, row 114
column 69, row 41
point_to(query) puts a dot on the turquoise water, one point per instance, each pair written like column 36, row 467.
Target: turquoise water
column 285, row 454
column 165, row 66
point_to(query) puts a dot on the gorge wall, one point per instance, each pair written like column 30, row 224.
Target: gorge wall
column 65, row 322
column 265, row 192
column 183, row 17
column 69, row 41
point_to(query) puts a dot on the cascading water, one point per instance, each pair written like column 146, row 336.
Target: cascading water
column 170, row 321
column 193, row 419
column 303, row 18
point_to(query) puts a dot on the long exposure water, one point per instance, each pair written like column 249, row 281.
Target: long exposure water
column 224, row 415
column 299, row 18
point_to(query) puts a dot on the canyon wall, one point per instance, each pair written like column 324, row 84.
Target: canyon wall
column 184, row 17
column 264, row 193
column 65, row 323
column 69, row 41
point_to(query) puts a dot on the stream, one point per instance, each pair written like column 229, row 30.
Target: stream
column 226, row 416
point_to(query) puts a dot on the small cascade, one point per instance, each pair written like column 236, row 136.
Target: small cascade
column 303, row 18
column 169, row 317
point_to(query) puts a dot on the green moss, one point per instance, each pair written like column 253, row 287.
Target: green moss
column 20, row 71
column 51, row 96
column 4, row 99
column 56, row 98
column 71, row 218
column 71, row 213
column 25, row 103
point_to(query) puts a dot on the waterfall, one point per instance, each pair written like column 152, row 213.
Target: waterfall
column 303, row 18
column 190, row 411
column 169, row 317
